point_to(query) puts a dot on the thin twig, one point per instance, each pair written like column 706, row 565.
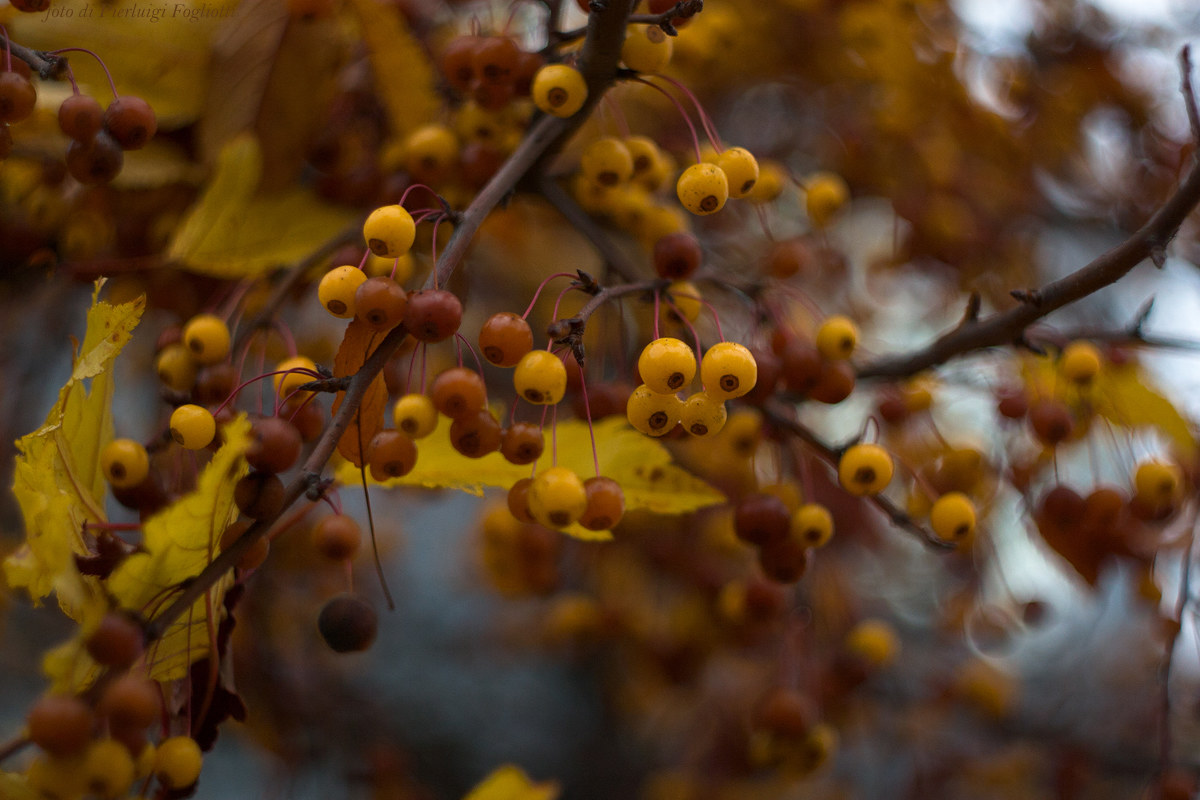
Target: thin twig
column 1189, row 95
column 1006, row 327
column 47, row 66
column 776, row 414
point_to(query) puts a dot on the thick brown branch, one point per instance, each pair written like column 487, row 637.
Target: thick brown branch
column 308, row 478
column 48, row 67
column 1005, row 327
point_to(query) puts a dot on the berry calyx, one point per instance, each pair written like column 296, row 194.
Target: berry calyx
column 125, row 463
column 557, row 497
column 338, row 289
column 505, row 338
column 741, row 170
column 703, row 189
column 390, row 231
column 837, row 337
column 728, row 370
column 952, row 517
column 667, row 365
column 703, row 414
column 540, row 378
column 416, row 415
column 193, row 427
column 865, row 469
column 558, row 90
column 207, row 338
column 811, row 524
column 653, row 413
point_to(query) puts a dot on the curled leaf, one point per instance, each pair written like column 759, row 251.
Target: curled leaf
column 357, row 345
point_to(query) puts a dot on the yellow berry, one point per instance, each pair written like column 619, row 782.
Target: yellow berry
column 770, row 182
column 558, row 90
column 667, row 365
column 651, row 412
column 703, row 415
column 430, row 152
column 741, row 170
column 728, row 370
column 607, row 162
column 557, row 497
column 193, row 426
column 812, row 524
column 336, row 290
column 703, row 189
column 865, row 469
column 206, row 337
column 177, row 762
column 1080, row 362
column 108, row 769
column 1156, row 484
column 176, row 368
column 836, row 338
column 647, row 48
column 125, row 463
column 390, row 231
column 825, row 195
column 874, row 641
column 416, row 415
column 743, row 430
column 651, row 166
column 540, row 377
column 295, row 372
column 952, row 517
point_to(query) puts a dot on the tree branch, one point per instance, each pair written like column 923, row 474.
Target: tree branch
column 776, row 413
column 48, row 66
column 1006, row 327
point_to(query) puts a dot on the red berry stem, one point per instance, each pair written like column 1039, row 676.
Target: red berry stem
column 587, row 413
column 541, row 286
column 436, row 223
column 711, row 310
column 316, row 376
column 557, row 303
column 680, row 109
column 366, row 257
column 554, row 436
column 8, row 51
column 687, row 323
column 474, row 355
column 706, row 122
column 657, row 310
column 111, row 83
column 285, row 333
column 613, row 109
column 404, row 196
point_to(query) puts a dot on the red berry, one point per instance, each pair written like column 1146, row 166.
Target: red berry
column 116, row 642
column 347, row 624
column 761, row 518
column 130, row 121
column 80, row 117
column 98, row 160
column 476, row 435
column 276, row 445
column 522, row 443
column 433, row 315
column 17, row 97
column 60, row 724
column 677, row 256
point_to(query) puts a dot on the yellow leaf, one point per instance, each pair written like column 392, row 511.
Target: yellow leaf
column 1124, row 398
column 14, row 787
column 234, row 232
column 157, row 51
column 57, row 478
column 403, row 74
column 511, row 783
column 640, row 464
column 180, row 541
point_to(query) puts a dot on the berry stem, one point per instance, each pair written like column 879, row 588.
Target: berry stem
column 362, row 265
column 8, row 51
column 404, row 196
column 710, row 130
column 657, row 308
column 587, row 413
column 537, row 292
column 474, row 355
column 688, row 324
column 111, row 83
column 683, row 113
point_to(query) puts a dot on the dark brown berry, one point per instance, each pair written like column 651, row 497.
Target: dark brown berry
column 347, row 624
column 17, row 97
column 276, row 445
column 98, row 160
column 522, row 443
column 605, row 504
column 259, row 495
column 677, row 256
column 476, row 435
column 1051, row 421
column 457, row 61
column 60, row 724
column 761, row 518
column 117, row 641
column 518, row 500
column 131, row 702
column 380, row 302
